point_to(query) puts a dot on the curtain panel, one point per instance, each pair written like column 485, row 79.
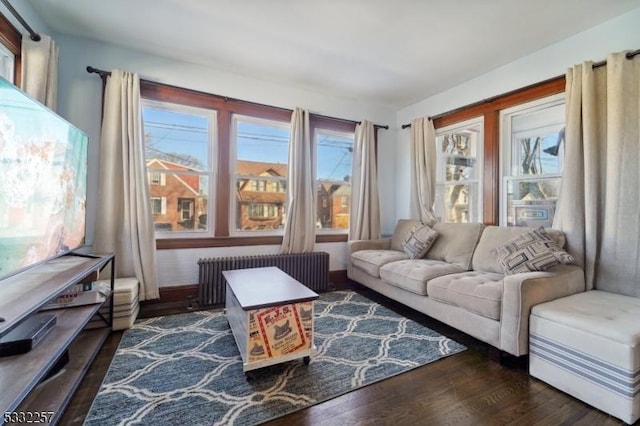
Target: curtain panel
column 299, row 229
column 599, row 202
column 124, row 223
column 364, row 218
column 423, row 170
column 39, row 76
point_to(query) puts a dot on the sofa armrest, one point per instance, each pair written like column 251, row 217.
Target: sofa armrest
column 523, row 291
column 379, row 244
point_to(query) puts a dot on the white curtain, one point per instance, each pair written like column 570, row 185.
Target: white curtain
column 123, row 221
column 39, row 76
column 364, row 218
column 599, row 204
column 423, row 170
column 299, row 228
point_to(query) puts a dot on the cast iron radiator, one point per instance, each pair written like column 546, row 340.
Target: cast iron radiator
column 311, row 269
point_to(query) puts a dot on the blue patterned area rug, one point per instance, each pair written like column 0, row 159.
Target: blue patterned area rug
column 186, row 369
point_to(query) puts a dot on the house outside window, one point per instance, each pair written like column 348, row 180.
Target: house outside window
column 260, row 157
column 459, row 172
column 532, row 140
column 179, row 146
column 334, row 163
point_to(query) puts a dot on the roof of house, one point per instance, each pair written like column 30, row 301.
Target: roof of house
column 191, row 181
column 258, row 168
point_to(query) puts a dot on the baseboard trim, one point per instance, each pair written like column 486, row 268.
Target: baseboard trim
column 339, row 279
column 186, row 294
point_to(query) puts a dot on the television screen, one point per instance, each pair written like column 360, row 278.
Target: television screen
column 43, row 175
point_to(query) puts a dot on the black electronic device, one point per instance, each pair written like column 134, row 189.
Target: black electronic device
column 27, row 334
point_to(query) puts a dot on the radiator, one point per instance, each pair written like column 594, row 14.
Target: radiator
column 311, row 269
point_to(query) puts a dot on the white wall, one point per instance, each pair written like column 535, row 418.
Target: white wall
column 621, row 33
column 79, row 100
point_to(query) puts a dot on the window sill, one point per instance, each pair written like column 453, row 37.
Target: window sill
column 186, row 243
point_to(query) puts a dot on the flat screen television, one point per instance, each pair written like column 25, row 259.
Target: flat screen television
column 43, row 176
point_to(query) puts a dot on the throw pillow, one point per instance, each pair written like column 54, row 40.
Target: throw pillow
column 532, row 251
column 419, row 240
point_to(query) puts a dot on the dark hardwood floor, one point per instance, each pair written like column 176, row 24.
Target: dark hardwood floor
column 464, row 389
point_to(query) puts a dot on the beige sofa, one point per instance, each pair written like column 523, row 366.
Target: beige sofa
column 461, row 283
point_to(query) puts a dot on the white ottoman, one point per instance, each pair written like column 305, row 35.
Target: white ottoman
column 588, row 345
column 125, row 305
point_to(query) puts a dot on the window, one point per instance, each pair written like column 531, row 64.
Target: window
column 334, row 162
column 264, row 211
column 10, row 51
column 459, row 171
column 158, row 205
column 185, row 208
column 242, row 194
column 492, row 157
column 260, row 172
column 157, row 179
column 7, row 63
column 178, row 151
column 532, row 153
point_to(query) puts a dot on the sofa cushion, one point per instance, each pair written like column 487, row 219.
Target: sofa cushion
column 419, row 240
column 531, row 251
column 401, row 232
column 478, row 292
column 412, row 275
column 456, row 243
column 370, row 261
column 496, row 236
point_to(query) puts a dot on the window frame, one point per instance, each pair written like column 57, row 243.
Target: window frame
column 479, row 155
column 225, row 107
column 339, row 133
column 260, row 181
column 490, row 109
column 506, row 147
column 4, row 50
column 11, row 39
column 210, row 174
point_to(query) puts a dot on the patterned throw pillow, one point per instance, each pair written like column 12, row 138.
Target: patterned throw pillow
column 531, row 251
column 419, row 240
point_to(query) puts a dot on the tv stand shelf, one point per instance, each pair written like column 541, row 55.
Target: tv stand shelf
column 23, row 295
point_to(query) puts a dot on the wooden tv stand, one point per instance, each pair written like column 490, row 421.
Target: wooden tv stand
column 24, row 399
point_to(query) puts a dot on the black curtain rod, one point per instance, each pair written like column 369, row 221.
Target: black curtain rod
column 101, row 73
column 629, row 55
column 104, row 74
column 33, row 35
column 408, row 125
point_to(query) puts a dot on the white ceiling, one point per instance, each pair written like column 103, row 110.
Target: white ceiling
column 381, row 51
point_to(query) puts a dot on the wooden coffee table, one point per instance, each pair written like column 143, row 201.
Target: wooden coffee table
column 270, row 315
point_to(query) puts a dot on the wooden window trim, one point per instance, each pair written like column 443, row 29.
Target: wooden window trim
column 490, row 109
column 225, row 108
column 12, row 39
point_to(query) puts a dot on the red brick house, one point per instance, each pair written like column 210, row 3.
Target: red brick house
column 176, row 201
column 260, row 195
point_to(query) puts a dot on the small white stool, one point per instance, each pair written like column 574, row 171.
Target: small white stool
column 125, row 304
column 588, row 345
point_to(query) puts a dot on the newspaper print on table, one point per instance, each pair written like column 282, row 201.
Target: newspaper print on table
column 256, row 342
column 305, row 312
column 281, row 330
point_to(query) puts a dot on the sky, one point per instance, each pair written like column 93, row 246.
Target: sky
column 187, row 135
